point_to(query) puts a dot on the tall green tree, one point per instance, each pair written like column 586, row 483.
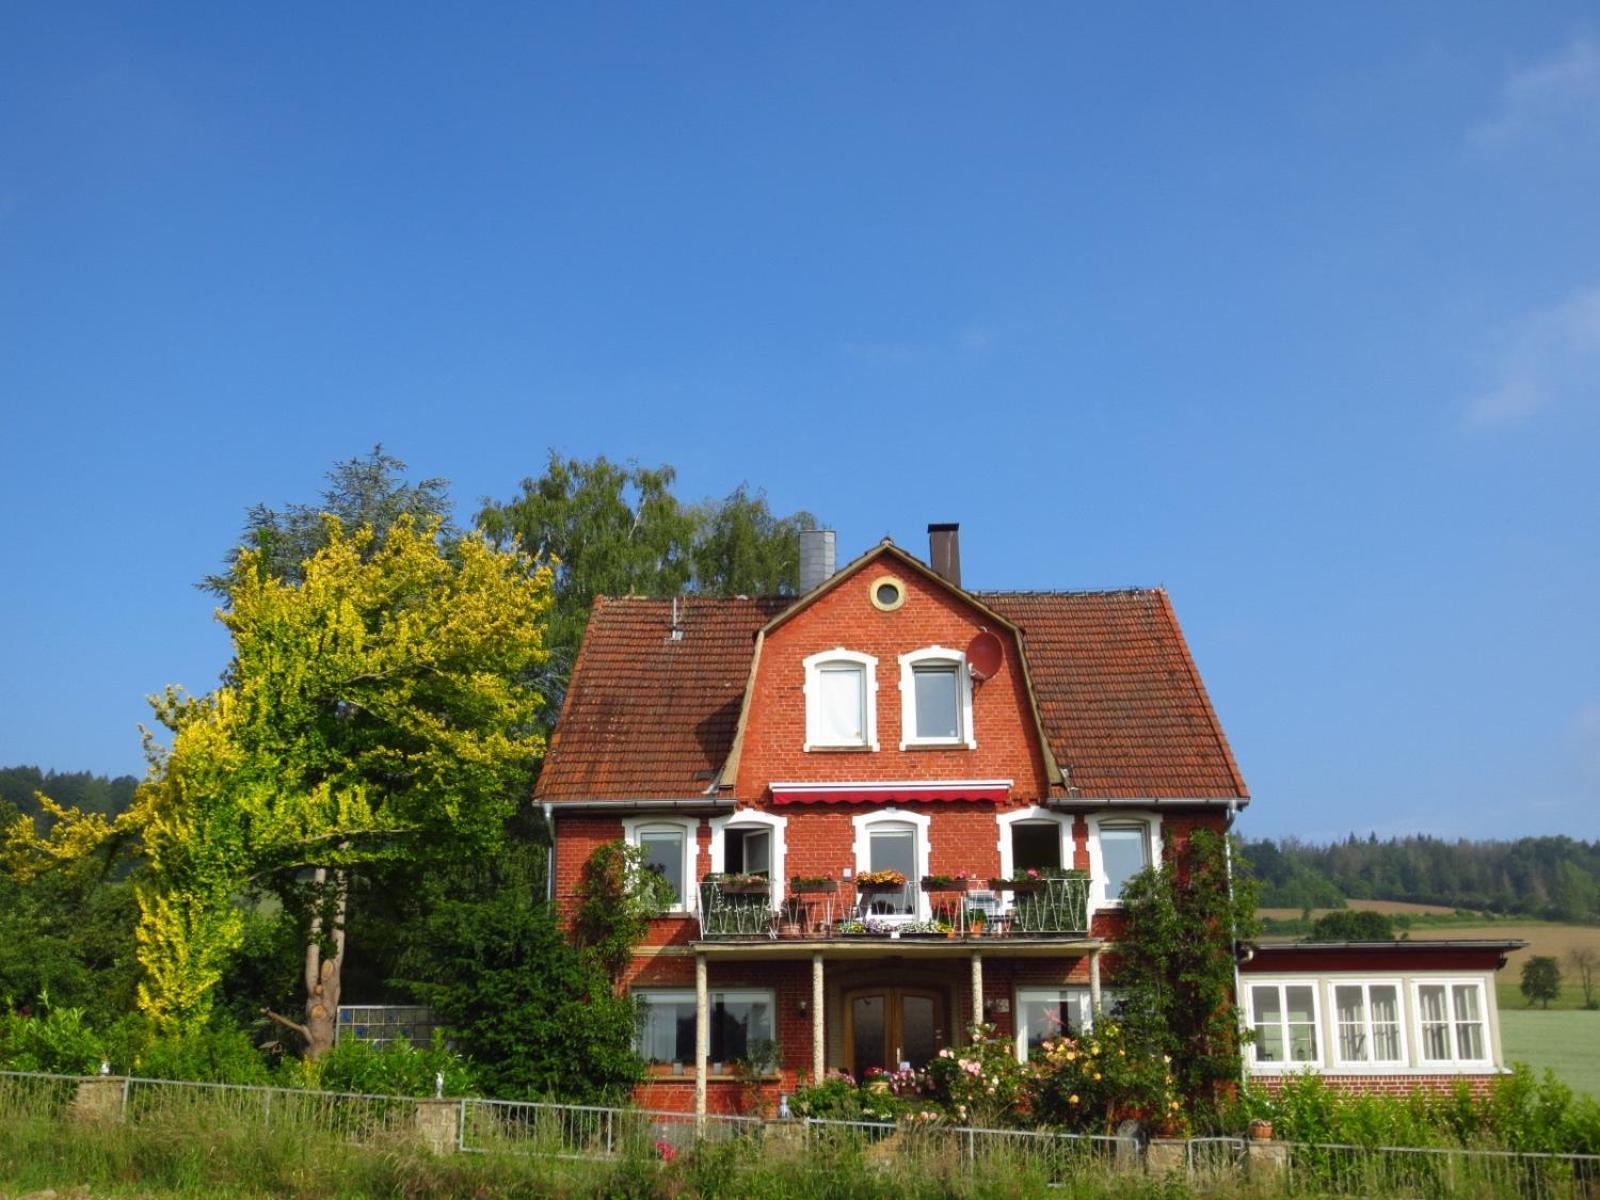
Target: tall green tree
column 369, row 491
column 375, row 710
column 619, row 530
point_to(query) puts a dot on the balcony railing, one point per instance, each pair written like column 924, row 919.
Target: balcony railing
column 1050, row 907
column 1058, row 906
column 742, row 910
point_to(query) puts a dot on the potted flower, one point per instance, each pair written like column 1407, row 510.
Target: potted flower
column 790, row 916
column 880, row 881
column 977, row 921
column 734, row 884
column 813, row 884
column 851, row 928
column 1030, row 880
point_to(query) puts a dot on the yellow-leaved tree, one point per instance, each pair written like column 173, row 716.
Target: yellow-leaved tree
column 381, row 707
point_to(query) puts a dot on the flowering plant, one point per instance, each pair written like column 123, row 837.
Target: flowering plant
column 890, row 878
column 981, row 1082
column 738, row 879
column 1101, row 1076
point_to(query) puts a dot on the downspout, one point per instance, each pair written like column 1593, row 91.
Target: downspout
column 1233, row 927
column 550, row 854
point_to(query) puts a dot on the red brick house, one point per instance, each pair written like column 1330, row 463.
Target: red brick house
column 766, row 754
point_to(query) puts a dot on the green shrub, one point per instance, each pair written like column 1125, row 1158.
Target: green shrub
column 395, row 1069
column 59, row 1043
column 222, row 1054
column 1521, row 1112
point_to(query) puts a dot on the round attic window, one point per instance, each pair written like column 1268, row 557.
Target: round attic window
column 888, row 593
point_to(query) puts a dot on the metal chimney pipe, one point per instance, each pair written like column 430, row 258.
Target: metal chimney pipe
column 816, row 557
column 944, row 551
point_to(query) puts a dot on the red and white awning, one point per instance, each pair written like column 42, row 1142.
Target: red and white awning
column 910, row 791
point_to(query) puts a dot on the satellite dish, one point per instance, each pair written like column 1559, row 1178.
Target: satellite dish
column 985, row 653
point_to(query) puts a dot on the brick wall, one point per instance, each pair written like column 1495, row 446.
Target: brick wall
column 1007, row 738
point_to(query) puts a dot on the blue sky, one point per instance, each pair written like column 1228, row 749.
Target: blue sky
column 1293, row 310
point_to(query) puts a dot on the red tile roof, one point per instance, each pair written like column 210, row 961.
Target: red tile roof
column 1118, row 695
column 646, row 716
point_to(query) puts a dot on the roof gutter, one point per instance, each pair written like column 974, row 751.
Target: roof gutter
column 1070, row 803
column 696, row 804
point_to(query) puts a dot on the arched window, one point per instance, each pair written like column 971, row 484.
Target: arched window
column 841, row 700
column 893, row 840
column 935, row 699
column 750, row 843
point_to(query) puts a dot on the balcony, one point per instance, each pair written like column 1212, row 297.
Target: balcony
column 741, row 907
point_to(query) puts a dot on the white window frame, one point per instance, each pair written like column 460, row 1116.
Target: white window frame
column 863, row 852
column 908, row 698
column 1033, row 815
column 634, row 827
column 751, row 819
column 813, row 693
column 1485, row 1020
column 1335, row 1031
column 681, row 995
column 1099, row 882
column 1079, row 995
column 1318, row 1024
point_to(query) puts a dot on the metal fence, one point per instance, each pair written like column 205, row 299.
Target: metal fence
column 25, row 1094
column 591, row 1132
column 1344, row 1170
column 1052, row 1155
column 171, row 1105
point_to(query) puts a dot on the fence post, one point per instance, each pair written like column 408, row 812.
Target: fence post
column 1166, row 1156
column 100, row 1098
column 1266, row 1159
column 439, row 1125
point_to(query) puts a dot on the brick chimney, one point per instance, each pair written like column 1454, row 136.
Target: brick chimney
column 944, row 551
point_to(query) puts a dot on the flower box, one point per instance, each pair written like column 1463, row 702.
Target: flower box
column 814, row 887
column 1016, row 885
column 744, row 889
column 934, row 883
column 880, row 887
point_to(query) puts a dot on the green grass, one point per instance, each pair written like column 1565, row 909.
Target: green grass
column 1566, row 1042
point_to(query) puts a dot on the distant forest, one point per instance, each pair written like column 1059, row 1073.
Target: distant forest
column 73, row 789
column 1557, row 878
column 1551, row 877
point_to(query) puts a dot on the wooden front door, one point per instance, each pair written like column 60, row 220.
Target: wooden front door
column 884, row 1027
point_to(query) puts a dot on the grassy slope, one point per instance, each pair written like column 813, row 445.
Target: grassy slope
column 1566, row 1042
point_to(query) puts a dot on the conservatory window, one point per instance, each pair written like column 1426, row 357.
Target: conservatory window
column 1368, row 1017
column 1452, row 1022
column 1284, row 1016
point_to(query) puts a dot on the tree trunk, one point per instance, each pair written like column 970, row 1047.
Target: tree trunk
column 323, row 973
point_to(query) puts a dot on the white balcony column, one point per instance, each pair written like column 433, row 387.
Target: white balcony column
column 977, row 987
column 702, row 1033
column 819, row 1041
column 1094, row 982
